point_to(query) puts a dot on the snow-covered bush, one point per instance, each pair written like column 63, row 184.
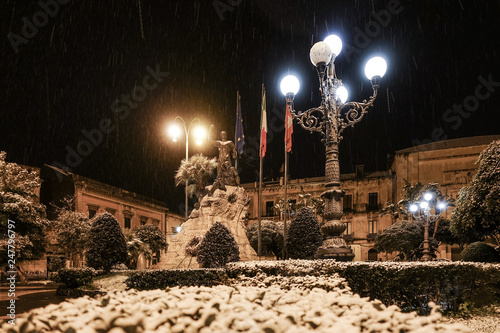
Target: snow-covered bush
column 480, row 252
column 304, row 236
column 271, row 237
column 228, row 309
column 218, row 247
column 106, row 243
column 163, row 278
column 19, row 203
column 308, row 282
column 152, row 235
column 410, row 285
column 75, row 277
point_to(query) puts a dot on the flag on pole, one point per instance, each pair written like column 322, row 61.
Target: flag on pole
column 288, row 129
column 263, row 125
column 239, row 137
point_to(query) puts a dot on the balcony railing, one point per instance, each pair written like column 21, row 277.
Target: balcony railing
column 348, row 237
column 371, row 236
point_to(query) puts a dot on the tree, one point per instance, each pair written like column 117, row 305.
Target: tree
column 404, row 237
column 71, row 230
column 106, row 246
column 135, row 247
column 304, row 236
column 198, row 172
column 19, row 204
column 271, row 237
column 477, row 214
column 152, row 235
column 218, row 247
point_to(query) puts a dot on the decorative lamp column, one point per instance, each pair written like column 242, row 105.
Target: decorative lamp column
column 175, row 131
column 330, row 119
column 422, row 211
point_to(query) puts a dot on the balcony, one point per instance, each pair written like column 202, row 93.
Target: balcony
column 371, row 236
column 348, row 237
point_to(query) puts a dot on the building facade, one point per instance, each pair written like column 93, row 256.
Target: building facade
column 92, row 197
column 449, row 163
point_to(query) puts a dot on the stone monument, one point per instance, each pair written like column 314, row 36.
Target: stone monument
column 228, row 207
column 226, row 202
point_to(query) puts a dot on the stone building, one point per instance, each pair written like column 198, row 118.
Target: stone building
column 93, row 198
column 449, row 163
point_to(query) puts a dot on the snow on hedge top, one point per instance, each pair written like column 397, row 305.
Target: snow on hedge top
column 318, row 267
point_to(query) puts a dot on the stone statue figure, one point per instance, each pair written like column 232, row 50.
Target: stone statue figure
column 226, row 173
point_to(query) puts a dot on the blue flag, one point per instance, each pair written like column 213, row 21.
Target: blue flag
column 239, row 137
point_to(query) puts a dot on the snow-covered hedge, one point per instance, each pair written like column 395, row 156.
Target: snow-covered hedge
column 228, row 309
column 163, row 278
column 410, row 285
column 75, row 277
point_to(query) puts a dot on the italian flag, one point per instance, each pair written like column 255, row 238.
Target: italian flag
column 263, row 125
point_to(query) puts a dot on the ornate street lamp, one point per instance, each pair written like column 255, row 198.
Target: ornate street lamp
column 422, row 211
column 175, row 131
column 330, row 120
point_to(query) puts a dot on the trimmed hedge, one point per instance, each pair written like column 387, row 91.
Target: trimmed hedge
column 75, row 277
column 161, row 279
column 480, row 252
column 409, row 285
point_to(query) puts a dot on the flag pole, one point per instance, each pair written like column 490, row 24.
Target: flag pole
column 235, row 130
column 259, row 232
column 285, row 184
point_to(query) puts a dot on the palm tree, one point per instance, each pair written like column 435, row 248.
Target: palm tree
column 198, row 172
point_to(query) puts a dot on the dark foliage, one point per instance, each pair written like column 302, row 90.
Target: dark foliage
column 403, row 236
column 480, row 252
column 152, row 235
column 271, row 238
column 75, row 277
column 304, row 236
column 477, row 214
column 162, row 278
column 218, row 247
column 106, row 244
column 54, row 264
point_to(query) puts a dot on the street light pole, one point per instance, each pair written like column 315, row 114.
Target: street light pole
column 425, row 206
column 328, row 120
column 174, row 132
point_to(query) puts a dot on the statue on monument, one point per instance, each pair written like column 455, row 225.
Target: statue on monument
column 226, row 173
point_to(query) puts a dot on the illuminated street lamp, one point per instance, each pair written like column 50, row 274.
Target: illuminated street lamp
column 175, row 131
column 330, row 120
column 423, row 211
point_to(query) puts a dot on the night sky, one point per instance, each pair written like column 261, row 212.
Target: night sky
column 77, row 71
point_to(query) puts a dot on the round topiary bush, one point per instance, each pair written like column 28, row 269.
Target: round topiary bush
column 106, row 246
column 304, row 236
column 153, row 236
column 480, row 252
column 218, row 247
